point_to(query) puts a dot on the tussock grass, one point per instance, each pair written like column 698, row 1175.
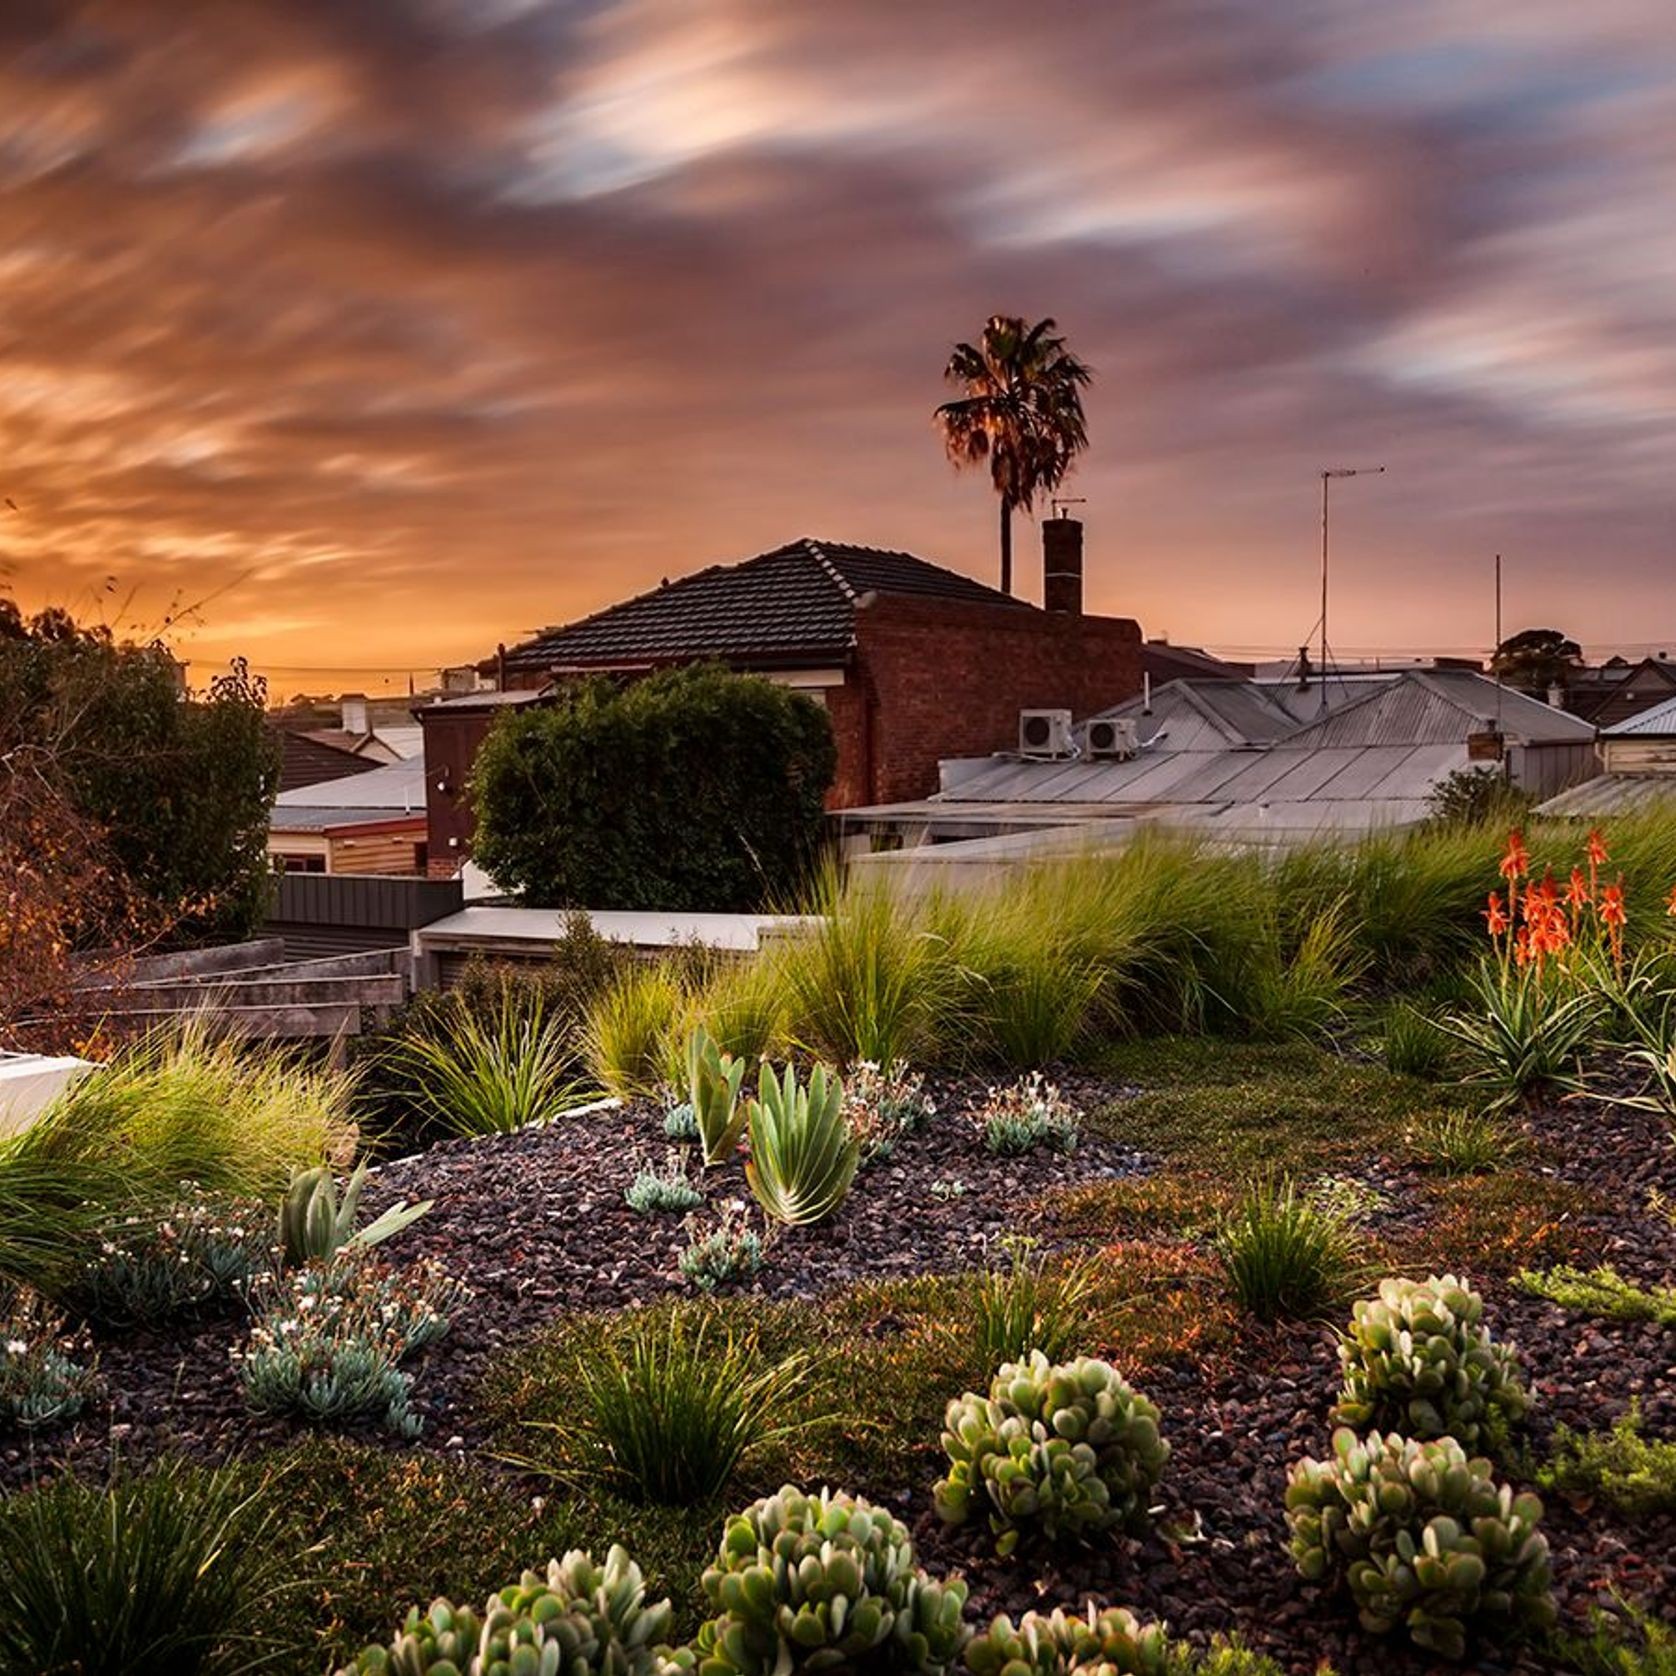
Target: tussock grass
column 172, row 1573
column 1286, row 1257
column 183, row 1103
column 478, row 1072
column 630, row 1037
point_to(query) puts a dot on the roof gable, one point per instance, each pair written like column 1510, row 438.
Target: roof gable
column 794, row 604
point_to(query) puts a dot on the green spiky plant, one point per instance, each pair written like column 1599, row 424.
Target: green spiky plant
column 804, row 1155
column 314, row 1224
column 1287, row 1257
column 713, row 1082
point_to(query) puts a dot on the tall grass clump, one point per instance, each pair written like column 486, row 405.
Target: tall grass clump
column 869, row 981
column 1286, row 1257
column 180, row 1572
column 669, row 1404
column 1302, row 985
column 185, row 1103
column 53, row 1205
column 1031, row 1303
column 631, row 1037
column 741, row 1009
column 1412, row 1044
column 1414, row 898
column 489, row 1073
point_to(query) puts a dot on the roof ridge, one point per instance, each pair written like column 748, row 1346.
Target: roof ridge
column 821, row 558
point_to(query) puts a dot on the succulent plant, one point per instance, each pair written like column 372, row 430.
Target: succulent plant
column 314, row 1225
column 666, row 1189
column 803, row 1153
column 1417, row 1360
column 1030, row 1113
column 713, row 1080
column 680, row 1121
column 40, row 1384
column 721, row 1251
column 1422, row 1537
column 1108, row 1643
column 825, row 1583
column 1060, row 1451
column 580, row 1618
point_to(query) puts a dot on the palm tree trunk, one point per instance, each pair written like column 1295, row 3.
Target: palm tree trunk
column 1006, row 545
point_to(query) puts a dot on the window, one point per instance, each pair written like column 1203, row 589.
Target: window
column 297, row 863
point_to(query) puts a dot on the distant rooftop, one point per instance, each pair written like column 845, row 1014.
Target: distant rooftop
column 794, row 605
column 389, row 792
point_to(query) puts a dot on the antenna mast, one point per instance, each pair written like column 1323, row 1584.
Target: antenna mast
column 1326, row 477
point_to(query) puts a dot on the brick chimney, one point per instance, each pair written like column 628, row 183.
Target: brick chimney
column 1062, row 565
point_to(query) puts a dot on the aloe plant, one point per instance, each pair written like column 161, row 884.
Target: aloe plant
column 713, row 1080
column 803, row 1153
column 314, row 1224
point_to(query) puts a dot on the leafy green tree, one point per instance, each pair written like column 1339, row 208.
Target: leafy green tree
column 177, row 788
column 1535, row 659
column 694, row 789
column 1021, row 412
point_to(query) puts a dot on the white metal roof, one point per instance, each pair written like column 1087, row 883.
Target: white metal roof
column 1660, row 719
column 1613, row 794
column 396, row 788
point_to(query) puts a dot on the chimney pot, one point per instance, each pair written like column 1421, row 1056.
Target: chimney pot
column 354, row 707
column 1062, row 565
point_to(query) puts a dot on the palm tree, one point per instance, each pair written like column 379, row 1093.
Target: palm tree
column 1022, row 411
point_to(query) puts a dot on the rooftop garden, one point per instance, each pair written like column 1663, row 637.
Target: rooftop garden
column 1174, row 1262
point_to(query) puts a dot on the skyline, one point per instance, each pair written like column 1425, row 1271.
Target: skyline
column 392, row 331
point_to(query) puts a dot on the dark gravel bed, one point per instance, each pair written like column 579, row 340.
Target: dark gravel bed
column 536, row 1224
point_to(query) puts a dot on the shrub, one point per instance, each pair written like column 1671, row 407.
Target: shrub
column 314, row 1225
column 713, row 1080
column 1422, row 1537
column 1603, row 1292
column 1026, row 1306
column 671, row 1402
column 626, row 1036
column 1284, row 1256
column 576, row 800
column 883, row 1104
column 1112, row 1642
column 1463, row 1143
column 1416, row 1359
column 668, row 1189
column 179, row 1572
column 40, row 1384
column 182, row 1104
column 729, row 1249
column 1060, row 1452
column 1412, row 1044
column 328, row 1341
column 1481, row 799
column 1030, row 1113
column 479, row 1075
column 803, row 1156
column 1621, row 1466
column 825, row 1582
column 580, row 1617
column 152, row 1267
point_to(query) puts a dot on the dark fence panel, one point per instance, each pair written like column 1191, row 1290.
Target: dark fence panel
column 344, row 913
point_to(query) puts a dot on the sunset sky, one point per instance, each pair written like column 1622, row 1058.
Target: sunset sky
column 383, row 330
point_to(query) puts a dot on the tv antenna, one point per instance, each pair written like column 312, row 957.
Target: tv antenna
column 1057, row 505
column 1327, row 477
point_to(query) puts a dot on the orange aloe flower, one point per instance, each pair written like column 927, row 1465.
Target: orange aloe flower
column 1670, row 902
column 1597, row 848
column 1612, row 912
column 1577, row 891
column 1515, row 860
column 1495, row 916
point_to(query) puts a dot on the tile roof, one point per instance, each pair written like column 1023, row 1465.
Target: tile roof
column 793, row 605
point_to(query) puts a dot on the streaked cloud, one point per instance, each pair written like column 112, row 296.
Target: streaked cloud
column 394, row 327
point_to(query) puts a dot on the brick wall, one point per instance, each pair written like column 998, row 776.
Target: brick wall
column 948, row 680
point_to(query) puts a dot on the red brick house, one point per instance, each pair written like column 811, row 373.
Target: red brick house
column 913, row 662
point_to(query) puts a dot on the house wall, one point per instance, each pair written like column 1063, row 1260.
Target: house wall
column 451, row 743
column 1639, row 754
column 378, row 853
column 948, row 680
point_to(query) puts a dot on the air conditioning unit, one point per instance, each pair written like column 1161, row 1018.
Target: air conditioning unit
column 1113, row 736
column 1045, row 733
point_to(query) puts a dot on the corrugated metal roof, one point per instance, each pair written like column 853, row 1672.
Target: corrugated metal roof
column 395, row 788
column 1614, row 794
column 1660, row 719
